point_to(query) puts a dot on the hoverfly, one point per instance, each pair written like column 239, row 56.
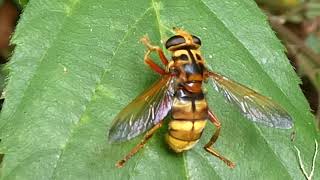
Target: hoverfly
column 180, row 92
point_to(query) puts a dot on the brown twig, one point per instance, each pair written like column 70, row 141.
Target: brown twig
column 308, row 60
column 292, row 39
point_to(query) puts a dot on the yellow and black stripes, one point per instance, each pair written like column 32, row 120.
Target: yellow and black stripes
column 184, row 134
column 189, row 114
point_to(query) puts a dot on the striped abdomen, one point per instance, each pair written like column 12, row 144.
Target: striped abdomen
column 189, row 114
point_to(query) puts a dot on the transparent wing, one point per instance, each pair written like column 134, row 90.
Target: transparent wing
column 148, row 109
column 253, row 105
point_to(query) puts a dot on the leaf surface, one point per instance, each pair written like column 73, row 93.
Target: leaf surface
column 78, row 63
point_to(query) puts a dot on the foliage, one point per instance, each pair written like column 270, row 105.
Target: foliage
column 21, row 3
column 78, row 63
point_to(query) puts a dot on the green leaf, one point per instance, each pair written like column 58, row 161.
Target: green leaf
column 3, row 77
column 21, row 3
column 78, row 63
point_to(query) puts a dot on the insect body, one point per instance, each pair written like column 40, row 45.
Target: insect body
column 180, row 91
column 189, row 107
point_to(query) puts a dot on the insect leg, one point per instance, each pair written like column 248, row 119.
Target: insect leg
column 146, row 137
column 214, row 138
column 145, row 40
column 153, row 65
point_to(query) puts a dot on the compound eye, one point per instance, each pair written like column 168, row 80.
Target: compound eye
column 196, row 40
column 175, row 40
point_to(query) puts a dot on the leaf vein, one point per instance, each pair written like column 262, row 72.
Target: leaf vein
column 78, row 124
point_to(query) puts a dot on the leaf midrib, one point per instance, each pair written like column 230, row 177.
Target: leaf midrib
column 158, row 20
column 77, row 125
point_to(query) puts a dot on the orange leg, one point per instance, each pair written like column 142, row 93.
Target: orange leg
column 145, row 40
column 153, row 65
column 214, row 138
column 145, row 139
